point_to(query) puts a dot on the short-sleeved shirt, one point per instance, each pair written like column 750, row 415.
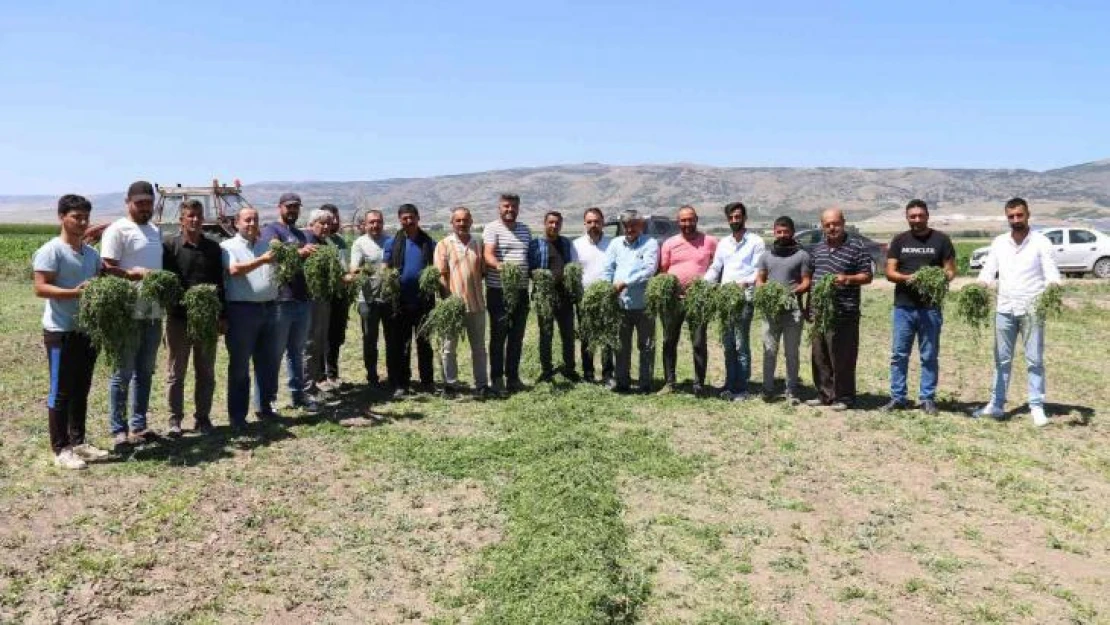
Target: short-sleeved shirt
column 70, row 268
column 134, row 246
column 256, row 286
column 510, row 246
column 367, row 250
column 591, row 256
column 463, row 264
column 296, row 289
column 687, row 259
column 849, row 258
column 913, row 253
column 785, row 268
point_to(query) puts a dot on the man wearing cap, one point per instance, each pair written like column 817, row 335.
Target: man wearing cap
column 366, row 255
column 131, row 248
column 589, row 251
column 294, row 310
column 629, row 263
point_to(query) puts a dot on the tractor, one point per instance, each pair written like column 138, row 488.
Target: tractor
column 221, row 205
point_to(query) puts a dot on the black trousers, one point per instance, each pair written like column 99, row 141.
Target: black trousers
column 834, row 360
column 506, row 335
column 672, row 333
column 588, row 359
column 400, row 331
column 72, row 358
column 337, row 335
column 564, row 319
column 374, row 317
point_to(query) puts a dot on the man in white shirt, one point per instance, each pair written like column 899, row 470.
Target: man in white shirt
column 1022, row 260
column 131, row 248
column 374, row 313
column 589, row 251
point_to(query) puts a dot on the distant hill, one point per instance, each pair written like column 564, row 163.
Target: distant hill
column 1080, row 191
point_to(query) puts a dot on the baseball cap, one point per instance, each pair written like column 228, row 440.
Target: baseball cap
column 140, row 190
column 289, row 198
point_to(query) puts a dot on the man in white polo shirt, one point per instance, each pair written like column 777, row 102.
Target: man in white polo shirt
column 589, row 251
column 131, row 248
column 1022, row 260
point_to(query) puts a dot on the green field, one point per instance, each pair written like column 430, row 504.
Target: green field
column 568, row 504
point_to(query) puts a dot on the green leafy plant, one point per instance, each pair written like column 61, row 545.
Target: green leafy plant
column 513, row 281
column 162, row 287
column 391, row 288
column 822, row 305
column 323, row 273
column 600, row 317
column 287, row 262
column 545, row 294
column 446, row 321
column 105, row 315
column 663, row 297
column 931, row 284
column 774, row 298
column 202, row 314
column 729, row 305
column 572, row 281
column 1050, row 303
column 365, row 273
column 973, row 306
column 428, row 283
column 699, row 304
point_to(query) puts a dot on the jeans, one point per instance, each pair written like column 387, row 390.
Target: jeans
column 476, row 336
column 834, row 356
column 71, row 357
column 179, row 347
column 672, row 333
column 908, row 322
column 316, row 347
column 1007, row 328
column 374, row 317
column 250, row 337
column 132, row 377
column 644, row 326
column 738, row 352
column 398, row 348
column 564, row 319
column 292, row 322
column 788, row 328
column 506, row 335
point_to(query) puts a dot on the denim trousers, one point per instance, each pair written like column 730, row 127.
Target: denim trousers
column 924, row 324
column 132, row 378
column 291, row 325
column 1007, row 328
column 738, row 352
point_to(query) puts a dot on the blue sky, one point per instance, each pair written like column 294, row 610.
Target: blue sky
column 97, row 94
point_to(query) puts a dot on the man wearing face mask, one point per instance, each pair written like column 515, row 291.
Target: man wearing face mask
column 834, row 353
column 687, row 255
column 734, row 262
column 629, row 263
column 1022, row 261
column 552, row 252
column 589, row 251
column 913, row 317
column 787, row 264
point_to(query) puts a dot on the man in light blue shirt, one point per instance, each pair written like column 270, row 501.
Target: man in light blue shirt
column 735, row 261
column 629, row 263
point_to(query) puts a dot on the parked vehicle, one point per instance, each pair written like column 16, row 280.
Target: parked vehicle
column 221, row 204
column 809, row 239
column 1076, row 250
column 658, row 228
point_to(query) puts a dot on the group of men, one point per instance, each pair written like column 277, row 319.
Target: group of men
column 263, row 320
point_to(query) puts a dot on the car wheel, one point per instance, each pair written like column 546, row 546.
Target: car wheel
column 1102, row 267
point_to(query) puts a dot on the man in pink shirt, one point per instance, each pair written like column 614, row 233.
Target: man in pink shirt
column 687, row 256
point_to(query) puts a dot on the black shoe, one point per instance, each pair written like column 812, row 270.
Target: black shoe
column 515, row 386
column 698, row 390
column 572, row 376
column 892, row 405
column 929, row 407
column 546, row 376
column 203, row 426
column 589, row 378
column 482, row 393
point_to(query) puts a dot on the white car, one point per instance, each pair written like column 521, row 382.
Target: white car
column 1076, row 250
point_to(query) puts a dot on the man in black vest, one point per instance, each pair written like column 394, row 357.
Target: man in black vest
column 409, row 252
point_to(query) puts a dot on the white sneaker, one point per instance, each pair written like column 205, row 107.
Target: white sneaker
column 990, row 410
column 66, row 459
column 740, row 397
column 88, row 452
column 1040, row 419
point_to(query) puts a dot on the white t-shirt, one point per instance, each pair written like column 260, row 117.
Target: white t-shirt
column 591, row 257
column 134, row 246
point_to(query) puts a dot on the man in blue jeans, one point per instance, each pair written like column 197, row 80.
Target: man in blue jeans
column 913, row 315
column 131, row 248
column 250, row 292
column 294, row 309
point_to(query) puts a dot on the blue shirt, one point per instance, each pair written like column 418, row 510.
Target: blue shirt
column 70, row 268
column 410, row 273
column 539, row 252
column 633, row 264
column 295, row 289
column 736, row 261
column 256, row 286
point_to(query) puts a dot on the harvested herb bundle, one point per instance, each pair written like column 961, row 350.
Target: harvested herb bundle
column 513, row 282
column 931, row 284
column 391, row 288
column 447, row 321
column 323, row 273
column 287, row 262
column 600, row 317
column 572, row 282
column 774, row 298
column 365, row 272
column 699, row 304
column 429, row 283
column 1050, row 303
column 545, row 294
column 202, row 314
column 729, row 305
column 973, row 306
column 822, row 304
column 662, row 297
column 162, row 287
column 105, row 315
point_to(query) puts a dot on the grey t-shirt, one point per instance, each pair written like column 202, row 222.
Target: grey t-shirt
column 70, row 268
column 786, row 270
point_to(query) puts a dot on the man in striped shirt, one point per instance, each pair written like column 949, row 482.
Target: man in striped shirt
column 461, row 267
column 834, row 352
column 506, row 241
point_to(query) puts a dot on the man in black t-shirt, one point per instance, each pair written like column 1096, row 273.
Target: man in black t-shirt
column 913, row 316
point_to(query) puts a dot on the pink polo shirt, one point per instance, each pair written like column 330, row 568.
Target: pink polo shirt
column 687, row 260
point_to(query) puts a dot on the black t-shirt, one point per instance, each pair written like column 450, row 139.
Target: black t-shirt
column 912, row 253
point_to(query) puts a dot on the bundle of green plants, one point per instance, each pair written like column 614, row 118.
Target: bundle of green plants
column 287, row 262
column 105, row 315
column 428, row 283
column 973, row 306
column 572, row 282
column 545, row 294
column 931, row 284
column 663, row 297
column 822, row 306
column 600, row 317
column 729, row 305
column 446, row 321
column 774, row 298
column 1050, row 303
column 363, row 275
column 513, row 281
column 699, row 304
column 323, row 273
column 162, row 287
column 391, row 288
column 202, row 314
